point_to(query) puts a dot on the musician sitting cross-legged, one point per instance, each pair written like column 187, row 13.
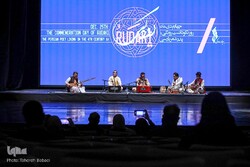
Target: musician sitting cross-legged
column 176, row 86
column 142, row 84
column 74, row 85
column 197, row 86
column 142, row 80
column 115, row 80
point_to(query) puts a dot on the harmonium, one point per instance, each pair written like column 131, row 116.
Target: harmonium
column 143, row 89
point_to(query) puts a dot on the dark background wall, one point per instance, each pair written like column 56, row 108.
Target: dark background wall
column 240, row 44
column 20, row 44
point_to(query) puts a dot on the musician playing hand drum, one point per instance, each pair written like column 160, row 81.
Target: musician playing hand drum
column 197, row 86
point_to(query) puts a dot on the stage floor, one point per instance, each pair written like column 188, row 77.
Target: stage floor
column 60, row 95
column 79, row 106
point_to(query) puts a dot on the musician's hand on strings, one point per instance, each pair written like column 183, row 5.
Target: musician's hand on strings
column 80, row 84
column 68, row 85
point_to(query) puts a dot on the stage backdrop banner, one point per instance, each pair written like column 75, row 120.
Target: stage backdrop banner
column 95, row 37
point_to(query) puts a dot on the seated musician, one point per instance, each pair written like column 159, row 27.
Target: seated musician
column 177, row 84
column 142, row 80
column 74, row 85
column 115, row 80
column 197, row 86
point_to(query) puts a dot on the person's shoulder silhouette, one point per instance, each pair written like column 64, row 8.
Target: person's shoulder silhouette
column 34, row 118
column 142, row 127
column 55, row 127
column 93, row 124
column 170, row 118
column 217, row 125
column 119, row 128
column 33, row 113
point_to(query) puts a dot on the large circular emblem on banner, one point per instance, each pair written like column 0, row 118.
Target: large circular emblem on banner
column 135, row 31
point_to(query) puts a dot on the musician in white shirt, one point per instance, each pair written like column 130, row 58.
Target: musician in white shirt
column 177, row 84
column 74, row 85
column 114, row 80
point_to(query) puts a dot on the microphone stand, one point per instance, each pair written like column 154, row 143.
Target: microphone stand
column 186, row 86
column 128, row 84
column 104, row 85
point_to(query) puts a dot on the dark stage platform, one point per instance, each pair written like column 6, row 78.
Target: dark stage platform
column 79, row 106
column 60, row 95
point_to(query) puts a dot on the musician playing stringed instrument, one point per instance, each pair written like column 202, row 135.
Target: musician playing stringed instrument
column 197, row 86
column 74, row 85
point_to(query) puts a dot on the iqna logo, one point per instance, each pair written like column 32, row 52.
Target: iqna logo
column 16, row 151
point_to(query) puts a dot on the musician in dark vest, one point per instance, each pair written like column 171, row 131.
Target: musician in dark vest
column 142, row 80
column 197, row 86
column 74, row 85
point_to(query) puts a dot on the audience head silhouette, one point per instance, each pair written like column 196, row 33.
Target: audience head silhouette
column 215, row 110
column 142, row 126
column 170, row 115
column 118, row 121
column 33, row 113
column 35, row 119
column 94, row 119
column 119, row 128
column 217, row 125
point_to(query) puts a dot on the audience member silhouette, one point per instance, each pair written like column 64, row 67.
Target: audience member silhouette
column 70, row 129
column 144, row 126
column 170, row 118
column 59, row 130
column 217, row 125
column 54, row 127
column 93, row 125
column 118, row 128
column 43, row 127
column 34, row 118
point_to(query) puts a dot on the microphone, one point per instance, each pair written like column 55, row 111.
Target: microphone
column 169, row 82
column 105, row 80
column 131, row 83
